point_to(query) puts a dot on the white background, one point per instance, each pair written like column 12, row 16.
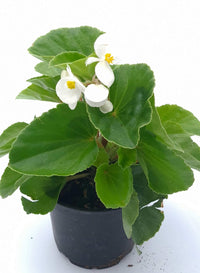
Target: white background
column 163, row 34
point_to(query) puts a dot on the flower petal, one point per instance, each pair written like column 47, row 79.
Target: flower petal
column 74, row 78
column 64, row 74
column 96, row 95
column 104, row 73
column 67, row 95
column 72, row 106
column 107, row 107
column 69, row 71
column 79, row 84
column 100, row 46
column 91, row 60
column 100, row 51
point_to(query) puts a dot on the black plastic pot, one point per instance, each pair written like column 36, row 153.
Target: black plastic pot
column 90, row 239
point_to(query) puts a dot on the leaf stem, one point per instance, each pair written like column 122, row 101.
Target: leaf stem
column 104, row 142
column 77, row 176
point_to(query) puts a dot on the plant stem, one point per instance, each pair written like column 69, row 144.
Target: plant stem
column 104, row 142
column 77, row 176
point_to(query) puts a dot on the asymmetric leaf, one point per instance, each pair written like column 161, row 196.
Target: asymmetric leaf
column 101, row 158
column 114, row 185
column 60, row 142
column 46, row 82
column 157, row 128
column 35, row 92
column 140, row 184
column 61, row 60
column 47, row 70
column 190, row 150
column 9, row 135
column 44, row 191
column 82, row 71
column 126, row 157
column 80, row 39
column 130, row 214
column 166, row 172
column 147, row 224
column 188, row 122
column 10, row 181
column 129, row 95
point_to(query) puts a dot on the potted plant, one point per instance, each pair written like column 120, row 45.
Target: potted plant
column 104, row 159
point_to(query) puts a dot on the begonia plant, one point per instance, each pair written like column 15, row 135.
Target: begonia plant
column 104, row 127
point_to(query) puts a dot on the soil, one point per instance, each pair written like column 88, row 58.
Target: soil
column 81, row 194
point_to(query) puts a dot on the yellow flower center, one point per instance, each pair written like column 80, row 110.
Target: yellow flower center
column 71, row 84
column 109, row 58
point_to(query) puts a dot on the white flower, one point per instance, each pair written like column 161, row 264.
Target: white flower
column 107, row 107
column 96, row 95
column 69, row 88
column 103, row 70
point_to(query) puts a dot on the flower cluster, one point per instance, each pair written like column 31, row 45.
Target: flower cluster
column 70, row 89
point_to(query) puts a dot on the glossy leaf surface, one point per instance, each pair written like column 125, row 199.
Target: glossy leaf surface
column 129, row 95
column 145, row 194
column 48, row 83
column 82, row 71
column 102, row 157
column 60, row 142
column 35, row 92
column 114, row 185
column 184, row 118
column 80, row 39
column 10, row 181
column 157, row 128
column 147, row 224
column 44, row 191
column 130, row 214
column 47, row 70
column 190, row 150
column 126, row 157
column 61, row 60
column 166, row 172
column 9, row 135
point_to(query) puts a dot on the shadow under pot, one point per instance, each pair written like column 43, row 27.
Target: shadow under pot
column 90, row 239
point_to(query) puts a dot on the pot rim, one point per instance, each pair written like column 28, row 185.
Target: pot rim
column 84, row 211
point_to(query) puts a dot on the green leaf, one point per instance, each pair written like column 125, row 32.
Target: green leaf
column 147, row 224
column 191, row 154
column 191, row 151
column 114, row 186
column 80, row 39
column 166, row 172
column 44, row 192
column 10, row 181
column 102, row 157
column 9, row 135
column 60, row 142
column 126, row 157
column 180, row 124
column 185, row 119
column 145, row 194
column 35, row 92
column 47, row 83
column 112, row 149
column 82, row 71
column 77, row 64
column 129, row 94
column 130, row 214
column 61, row 60
column 47, row 70
column 156, row 127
